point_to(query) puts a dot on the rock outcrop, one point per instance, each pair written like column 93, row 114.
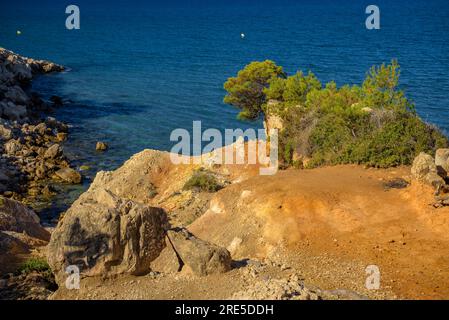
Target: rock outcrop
column 31, row 150
column 20, row 231
column 185, row 252
column 16, row 217
column 103, row 235
column 69, row 175
column 111, row 229
column 434, row 172
column 272, row 120
column 15, row 72
column 442, row 161
column 425, row 170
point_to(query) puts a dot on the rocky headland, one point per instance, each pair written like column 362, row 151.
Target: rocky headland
column 155, row 230
column 32, row 155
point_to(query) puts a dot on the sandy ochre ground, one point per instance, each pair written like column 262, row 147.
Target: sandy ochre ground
column 324, row 225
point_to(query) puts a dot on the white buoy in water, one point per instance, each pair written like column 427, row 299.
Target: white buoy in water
column 18, row 32
column 242, row 35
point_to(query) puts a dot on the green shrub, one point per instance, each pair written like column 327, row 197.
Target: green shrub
column 372, row 124
column 203, row 180
column 380, row 89
column 40, row 266
column 35, row 264
column 396, row 143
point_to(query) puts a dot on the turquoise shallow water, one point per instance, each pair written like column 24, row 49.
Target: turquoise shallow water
column 139, row 69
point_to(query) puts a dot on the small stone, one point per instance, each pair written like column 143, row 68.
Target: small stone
column 284, row 267
column 12, row 146
column 40, row 171
column 396, row 183
column 5, row 132
column 53, row 152
column 69, row 175
column 101, row 146
column 41, row 128
column 61, row 136
column 48, row 191
column 34, row 192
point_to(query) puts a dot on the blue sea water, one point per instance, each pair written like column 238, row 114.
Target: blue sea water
column 139, row 69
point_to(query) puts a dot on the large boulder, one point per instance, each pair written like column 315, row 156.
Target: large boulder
column 104, row 234
column 168, row 261
column 425, row 170
column 16, row 217
column 198, row 256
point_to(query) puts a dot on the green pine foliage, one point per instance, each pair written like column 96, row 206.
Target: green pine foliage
column 246, row 91
column 373, row 124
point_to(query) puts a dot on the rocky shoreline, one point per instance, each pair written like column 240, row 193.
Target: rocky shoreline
column 32, row 155
column 32, row 162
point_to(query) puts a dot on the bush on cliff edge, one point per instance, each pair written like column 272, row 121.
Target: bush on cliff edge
column 373, row 124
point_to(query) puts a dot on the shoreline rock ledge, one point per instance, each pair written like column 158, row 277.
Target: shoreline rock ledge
column 30, row 144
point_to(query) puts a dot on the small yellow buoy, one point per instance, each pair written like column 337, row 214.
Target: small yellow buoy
column 19, row 32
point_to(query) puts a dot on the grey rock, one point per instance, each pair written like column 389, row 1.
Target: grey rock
column 12, row 147
column 40, row 128
column 16, row 217
column 425, row 170
column 53, row 152
column 201, row 257
column 17, row 95
column 69, row 175
column 5, row 132
column 104, row 234
column 101, row 146
column 14, row 112
column 442, row 161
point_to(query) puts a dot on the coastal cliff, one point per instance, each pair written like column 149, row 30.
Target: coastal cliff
column 156, row 230
column 286, row 234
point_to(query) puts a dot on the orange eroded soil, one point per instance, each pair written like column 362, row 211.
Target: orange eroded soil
column 333, row 216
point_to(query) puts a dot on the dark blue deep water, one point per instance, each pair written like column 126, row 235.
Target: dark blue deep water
column 139, row 69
